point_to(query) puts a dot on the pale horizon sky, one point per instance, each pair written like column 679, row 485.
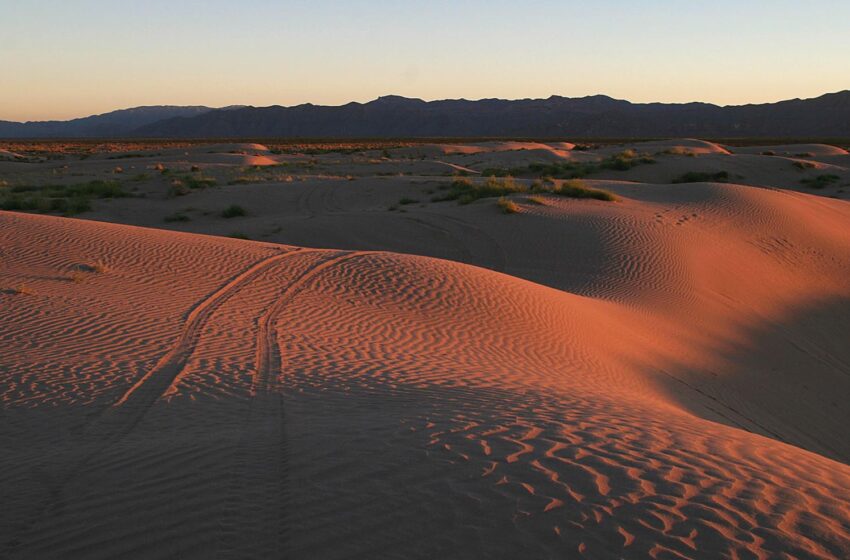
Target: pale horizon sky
column 74, row 58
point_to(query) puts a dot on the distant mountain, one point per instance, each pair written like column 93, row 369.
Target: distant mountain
column 116, row 123
column 588, row 117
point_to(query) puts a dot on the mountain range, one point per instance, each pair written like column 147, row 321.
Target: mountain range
column 597, row 116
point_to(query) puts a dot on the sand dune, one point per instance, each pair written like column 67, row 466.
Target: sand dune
column 661, row 376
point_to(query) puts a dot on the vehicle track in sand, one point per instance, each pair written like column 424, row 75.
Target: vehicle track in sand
column 253, row 523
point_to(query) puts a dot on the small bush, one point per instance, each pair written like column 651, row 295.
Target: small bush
column 574, row 189
column 406, row 200
column 507, row 205
column 176, row 217
column 233, row 211
column 703, row 177
column 821, row 181
column 198, row 182
column 177, row 188
column 538, row 200
column 803, row 165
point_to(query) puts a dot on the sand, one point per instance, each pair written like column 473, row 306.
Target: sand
column 661, row 376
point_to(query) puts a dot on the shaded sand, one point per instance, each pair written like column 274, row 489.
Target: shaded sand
column 199, row 397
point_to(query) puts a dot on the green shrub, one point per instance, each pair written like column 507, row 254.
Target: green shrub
column 407, row 200
column 803, row 165
column 574, row 189
column 233, row 211
column 507, row 205
column 821, row 181
column 176, row 217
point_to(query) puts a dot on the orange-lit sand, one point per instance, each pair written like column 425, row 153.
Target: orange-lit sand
column 665, row 376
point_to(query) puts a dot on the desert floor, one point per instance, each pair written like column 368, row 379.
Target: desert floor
column 353, row 352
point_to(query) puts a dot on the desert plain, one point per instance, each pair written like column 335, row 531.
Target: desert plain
column 424, row 350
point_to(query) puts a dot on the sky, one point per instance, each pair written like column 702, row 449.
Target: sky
column 61, row 59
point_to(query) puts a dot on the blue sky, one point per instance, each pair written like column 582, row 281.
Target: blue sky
column 61, row 59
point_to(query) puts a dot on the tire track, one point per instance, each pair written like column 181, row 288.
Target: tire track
column 123, row 415
column 254, row 524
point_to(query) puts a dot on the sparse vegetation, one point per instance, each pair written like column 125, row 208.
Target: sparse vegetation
column 575, row 189
column 61, row 199
column 233, row 211
column 199, row 182
column 176, row 217
column 239, row 235
column 803, row 165
column 703, row 177
column 821, row 181
column 623, row 161
column 466, row 191
column 507, row 205
column 407, row 200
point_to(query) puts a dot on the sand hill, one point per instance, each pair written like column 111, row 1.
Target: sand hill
column 660, row 376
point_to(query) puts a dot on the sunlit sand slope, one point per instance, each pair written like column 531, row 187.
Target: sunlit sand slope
column 173, row 395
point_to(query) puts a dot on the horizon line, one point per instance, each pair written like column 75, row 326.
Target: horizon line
column 435, row 100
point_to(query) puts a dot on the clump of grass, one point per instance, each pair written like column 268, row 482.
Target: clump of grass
column 702, row 177
column 176, row 217
column 575, row 189
column 507, row 205
column 233, row 211
column 78, row 277
column 195, row 182
column 63, row 199
column 406, row 200
column 805, row 154
column 239, row 235
column 466, row 190
column 538, row 200
column 821, row 181
column 803, row 165
column 177, row 188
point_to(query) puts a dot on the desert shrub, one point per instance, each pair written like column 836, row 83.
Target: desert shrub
column 62, row 199
column 821, row 181
column 466, row 191
column 538, row 200
column 507, row 205
column 407, row 200
column 176, row 217
column 233, row 211
column 702, row 177
column 199, row 182
column 803, row 165
column 575, row 189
